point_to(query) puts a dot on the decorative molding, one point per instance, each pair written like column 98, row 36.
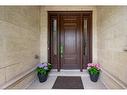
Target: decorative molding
column 16, row 78
column 118, row 81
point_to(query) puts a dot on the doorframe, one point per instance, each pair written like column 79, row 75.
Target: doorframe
column 86, row 13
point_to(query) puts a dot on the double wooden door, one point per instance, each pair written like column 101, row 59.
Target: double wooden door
column 69, row 44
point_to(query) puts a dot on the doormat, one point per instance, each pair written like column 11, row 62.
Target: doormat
column 68, row 82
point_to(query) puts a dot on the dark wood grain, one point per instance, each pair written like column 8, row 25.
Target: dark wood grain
column 70, row 34
column 70, row 39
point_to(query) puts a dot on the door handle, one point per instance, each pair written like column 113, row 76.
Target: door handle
column 61, row 50
column 84, row 48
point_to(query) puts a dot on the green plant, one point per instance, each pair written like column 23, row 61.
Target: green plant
column 42, row 71
column 93, row 69
column 43, row 68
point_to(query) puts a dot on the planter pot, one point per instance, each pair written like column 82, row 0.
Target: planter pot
column 42, row 78
column 94, row 78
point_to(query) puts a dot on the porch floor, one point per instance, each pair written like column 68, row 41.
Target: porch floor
column 87, row 83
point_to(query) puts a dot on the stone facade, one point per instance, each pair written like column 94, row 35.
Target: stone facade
column 112, row 41
column 19, row 40
column 23, row 34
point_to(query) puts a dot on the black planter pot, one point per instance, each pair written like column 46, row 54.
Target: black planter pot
column 94, row 78
column 42, row 78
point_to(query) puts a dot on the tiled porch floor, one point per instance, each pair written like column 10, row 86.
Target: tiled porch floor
column 53, row 75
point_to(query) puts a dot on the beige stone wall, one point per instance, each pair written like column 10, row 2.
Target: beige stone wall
column 24, row 82
column 112, row 39
column 44, row 29
column 19, row 40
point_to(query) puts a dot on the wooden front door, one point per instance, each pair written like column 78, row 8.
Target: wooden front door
column 70, row 44
column 69, row 39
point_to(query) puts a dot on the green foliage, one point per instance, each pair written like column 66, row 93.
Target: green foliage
column 44, row 71
column 94, row 71
column 49, row 66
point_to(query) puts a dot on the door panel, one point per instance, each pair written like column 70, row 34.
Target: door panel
column 70, row 40
column 87, row 40
column 70, row 32
column 70, row 46
column 54, row 41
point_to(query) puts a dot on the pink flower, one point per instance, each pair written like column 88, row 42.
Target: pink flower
column 96, row 65
column 93, row 65
column 89, row 65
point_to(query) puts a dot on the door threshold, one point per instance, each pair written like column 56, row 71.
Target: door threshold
column 69, row 70
column 63, row 72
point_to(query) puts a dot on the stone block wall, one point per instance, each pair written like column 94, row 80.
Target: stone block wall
column 112, row 41
column 19, row 40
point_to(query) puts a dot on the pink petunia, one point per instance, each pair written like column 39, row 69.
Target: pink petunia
column 89, row 65
column 98, row 65
column 92, row 65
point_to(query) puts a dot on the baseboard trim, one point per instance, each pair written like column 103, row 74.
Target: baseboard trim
column 119, row 82
column 28, row 85
column 16, row 79
column 105, row 84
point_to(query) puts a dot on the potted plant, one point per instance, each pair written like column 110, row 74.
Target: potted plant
column 42, row 71
column 94, row 71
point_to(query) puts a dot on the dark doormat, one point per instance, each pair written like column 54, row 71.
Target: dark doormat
column 68, row 82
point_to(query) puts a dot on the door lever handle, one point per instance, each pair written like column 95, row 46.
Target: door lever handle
column 61, row 50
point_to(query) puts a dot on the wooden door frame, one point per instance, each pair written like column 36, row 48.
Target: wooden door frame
column 87, row 14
